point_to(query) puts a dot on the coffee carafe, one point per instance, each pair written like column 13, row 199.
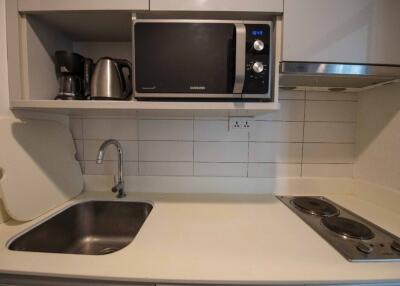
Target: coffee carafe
column 73, row 72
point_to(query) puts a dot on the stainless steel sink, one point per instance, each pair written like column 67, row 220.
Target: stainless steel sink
column 93, row 228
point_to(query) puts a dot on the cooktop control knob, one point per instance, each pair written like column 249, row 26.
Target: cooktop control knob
column 365, row 248
column 258, row 67
column 396, row 246
column 258, row 45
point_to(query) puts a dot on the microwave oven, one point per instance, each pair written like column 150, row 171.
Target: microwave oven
column 202, row 59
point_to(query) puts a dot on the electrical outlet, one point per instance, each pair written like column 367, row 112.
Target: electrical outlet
column 240, row 123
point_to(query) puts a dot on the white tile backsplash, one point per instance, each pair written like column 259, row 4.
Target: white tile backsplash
column 277, row 131
column 110, row 168
column 328, row 170
column 333, row 132
column 166, row 130
column 311, row 135
column 291, row 110
column 328, row 153
column 272, row 170
column 275, row 152
column 166, row 168
column 91, row 148
column 336, row 111
column 216, row 130
column 220, row 169
column 166, row 151
column 220, row 151
column 106, row 128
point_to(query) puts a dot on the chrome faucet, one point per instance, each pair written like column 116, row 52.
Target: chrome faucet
column 119, row 187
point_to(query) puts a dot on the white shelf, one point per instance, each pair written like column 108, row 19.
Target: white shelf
column 119, row 107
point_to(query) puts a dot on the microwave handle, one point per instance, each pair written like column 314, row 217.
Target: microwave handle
column 240, row 65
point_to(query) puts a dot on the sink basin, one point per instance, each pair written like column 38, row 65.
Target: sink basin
column 93, row 228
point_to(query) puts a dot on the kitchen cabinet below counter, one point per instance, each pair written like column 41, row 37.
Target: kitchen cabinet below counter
column 350, row 31
column 273, row 6
column 75, row 5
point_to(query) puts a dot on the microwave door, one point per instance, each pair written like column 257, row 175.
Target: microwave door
column 189, row 58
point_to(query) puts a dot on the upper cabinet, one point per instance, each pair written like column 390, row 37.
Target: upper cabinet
column 73, row 5
column 274, row 6
column 352, row 31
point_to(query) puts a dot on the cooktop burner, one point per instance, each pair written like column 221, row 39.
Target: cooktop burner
column 348, row 228
column 315, row 206
column 356, row 238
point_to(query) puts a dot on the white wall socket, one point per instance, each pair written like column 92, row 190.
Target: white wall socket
column 240, row 123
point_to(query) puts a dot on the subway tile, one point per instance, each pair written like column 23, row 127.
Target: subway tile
column 291, row 94
column 328, row 153
column 275, row 152
column 277, row 131
column 291, row 110
column 160, row 151
column 216, row 130
column 106, row 128
column 331, row 132
column 79, row 149
column 130, row 150
column 220, row 151
column 329, row 95
column 220, row 169
column 110, row 168
column 75, row 125
column 166, row 168
column 327, row 170
column 166, row 129
column 331, row 111
column 272, row 170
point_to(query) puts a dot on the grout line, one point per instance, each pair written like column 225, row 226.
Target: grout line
column 193, row 145
column 304, row 127
column 223, row 162
column 83, row 145
column 138, row 144
column 215, row 141
column 248, row 153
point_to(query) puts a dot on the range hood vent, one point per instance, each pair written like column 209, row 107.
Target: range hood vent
column 336, row 76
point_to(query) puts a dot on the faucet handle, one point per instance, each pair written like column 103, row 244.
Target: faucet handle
column 119, row 188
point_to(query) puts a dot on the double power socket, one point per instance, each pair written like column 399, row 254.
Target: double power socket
column 240, row 123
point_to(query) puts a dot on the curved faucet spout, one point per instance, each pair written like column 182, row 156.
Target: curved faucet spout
column 119, row 187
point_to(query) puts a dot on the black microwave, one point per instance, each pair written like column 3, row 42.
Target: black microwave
column 202, row 59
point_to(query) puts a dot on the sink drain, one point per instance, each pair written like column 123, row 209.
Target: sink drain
column 107, row 250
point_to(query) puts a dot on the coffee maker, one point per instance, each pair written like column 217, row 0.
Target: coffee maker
column 73, row 73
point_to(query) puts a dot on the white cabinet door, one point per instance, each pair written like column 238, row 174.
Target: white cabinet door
column 218, row 5
column 359, row 31
column 73, row 5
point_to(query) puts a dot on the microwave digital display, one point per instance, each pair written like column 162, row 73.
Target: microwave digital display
column 257, row 33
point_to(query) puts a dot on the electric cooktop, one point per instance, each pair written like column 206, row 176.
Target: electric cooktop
column 351, row 235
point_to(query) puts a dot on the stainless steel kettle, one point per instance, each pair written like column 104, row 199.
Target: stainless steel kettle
column 108, row 80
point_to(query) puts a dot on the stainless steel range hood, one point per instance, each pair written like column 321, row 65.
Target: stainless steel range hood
column 336, row 76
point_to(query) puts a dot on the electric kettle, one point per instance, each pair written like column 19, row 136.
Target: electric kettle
column 108, row 79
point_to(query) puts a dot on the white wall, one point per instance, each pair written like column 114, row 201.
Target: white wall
column 312, row 135
column 4, row 111
column 378, row 136
column 3, row 63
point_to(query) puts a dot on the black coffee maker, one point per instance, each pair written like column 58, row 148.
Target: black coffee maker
column 73, row 72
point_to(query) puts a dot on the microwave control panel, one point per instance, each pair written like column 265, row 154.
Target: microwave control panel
column 257, row 75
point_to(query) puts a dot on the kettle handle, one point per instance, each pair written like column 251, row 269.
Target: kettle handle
column 127, row 83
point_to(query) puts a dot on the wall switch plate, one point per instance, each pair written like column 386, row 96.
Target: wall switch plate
column 240, row 123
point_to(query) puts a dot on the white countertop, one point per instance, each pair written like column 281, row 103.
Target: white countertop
column 214, row 238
